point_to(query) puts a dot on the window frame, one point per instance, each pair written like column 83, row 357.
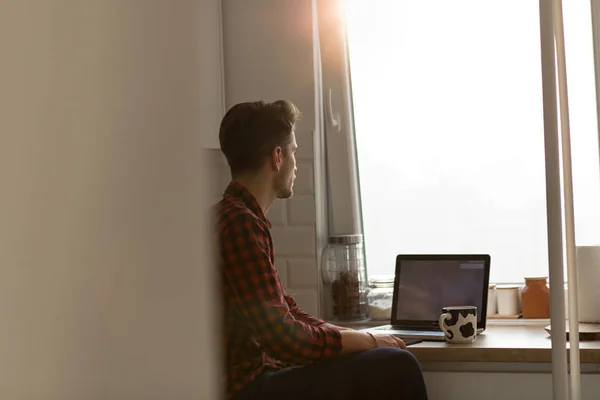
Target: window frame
column 343, row 200
column 595, row 8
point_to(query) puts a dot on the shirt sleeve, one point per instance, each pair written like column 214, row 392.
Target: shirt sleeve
column 299, row 314
column 249, row 274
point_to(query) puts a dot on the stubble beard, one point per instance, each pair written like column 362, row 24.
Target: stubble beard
column 286, row 189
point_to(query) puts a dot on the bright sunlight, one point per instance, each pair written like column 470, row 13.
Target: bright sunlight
column 448, row 116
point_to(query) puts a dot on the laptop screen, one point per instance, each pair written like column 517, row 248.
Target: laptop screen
column 424, row 286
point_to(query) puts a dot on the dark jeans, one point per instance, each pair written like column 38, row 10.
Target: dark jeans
column 384, row 373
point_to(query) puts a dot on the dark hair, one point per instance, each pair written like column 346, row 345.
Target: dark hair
column 250, row 131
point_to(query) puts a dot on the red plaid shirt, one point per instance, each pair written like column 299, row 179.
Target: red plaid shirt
column 263, row 327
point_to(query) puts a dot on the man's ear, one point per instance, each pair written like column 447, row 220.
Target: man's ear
column 277, row 158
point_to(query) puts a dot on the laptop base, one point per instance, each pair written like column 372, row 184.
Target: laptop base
column 429, row 335
column 422, row 334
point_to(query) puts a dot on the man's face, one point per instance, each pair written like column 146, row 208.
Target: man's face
column 284, row 180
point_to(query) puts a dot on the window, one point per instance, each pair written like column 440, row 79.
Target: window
column 447, row 113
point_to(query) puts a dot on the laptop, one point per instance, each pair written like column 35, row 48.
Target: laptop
column 424, row 284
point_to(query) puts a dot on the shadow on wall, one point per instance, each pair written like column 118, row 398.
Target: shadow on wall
column 219, row 174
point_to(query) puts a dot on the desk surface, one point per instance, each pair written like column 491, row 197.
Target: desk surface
column 502, row 343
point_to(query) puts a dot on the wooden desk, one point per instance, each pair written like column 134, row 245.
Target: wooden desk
column 502, row 343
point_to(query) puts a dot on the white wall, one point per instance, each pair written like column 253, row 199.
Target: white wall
column 105, row 291
column 268, row 55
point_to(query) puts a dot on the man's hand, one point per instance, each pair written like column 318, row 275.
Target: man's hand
column 384, row 340
column 355, row 341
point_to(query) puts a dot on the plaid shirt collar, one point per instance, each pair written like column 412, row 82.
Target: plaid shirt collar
column 237, row 190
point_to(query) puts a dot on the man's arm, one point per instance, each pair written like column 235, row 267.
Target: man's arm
column 251, row 278
column 352, row 341
column 308, row 318
column 341, row 328
column 301, row 315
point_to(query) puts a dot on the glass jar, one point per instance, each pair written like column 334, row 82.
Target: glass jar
column 380, row 298
column 345, row 278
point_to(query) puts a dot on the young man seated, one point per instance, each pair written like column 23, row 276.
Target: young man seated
column 274, row 350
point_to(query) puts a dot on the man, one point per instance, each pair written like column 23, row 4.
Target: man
column 273, row 349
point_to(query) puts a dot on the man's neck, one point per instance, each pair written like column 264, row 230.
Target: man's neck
column 260, row 188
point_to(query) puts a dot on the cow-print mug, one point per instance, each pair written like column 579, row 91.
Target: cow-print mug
column 459, row 323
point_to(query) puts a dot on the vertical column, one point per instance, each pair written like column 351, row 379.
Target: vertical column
column 554, row 203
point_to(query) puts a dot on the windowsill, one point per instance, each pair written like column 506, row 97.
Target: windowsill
column 520, row 284
column 504, row 341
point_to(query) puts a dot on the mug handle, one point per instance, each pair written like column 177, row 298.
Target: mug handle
column 441, row 321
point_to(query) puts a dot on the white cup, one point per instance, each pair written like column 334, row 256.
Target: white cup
column 588, row 283
column 459, row 324
column 508, row 300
